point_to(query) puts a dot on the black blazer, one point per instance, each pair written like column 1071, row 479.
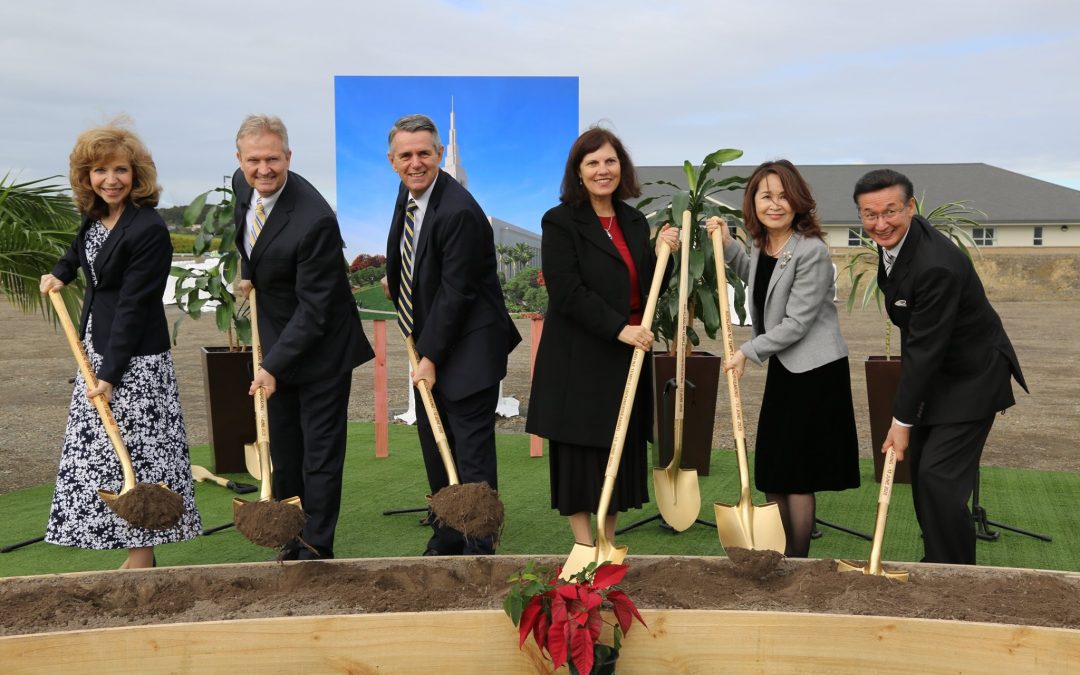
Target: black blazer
column 309, row 325
column 581, row 367
column 957, row 361
column 460, row 320
column 132, row 269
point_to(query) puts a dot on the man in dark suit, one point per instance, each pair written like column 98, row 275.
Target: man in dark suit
column 957, row 363
column 453, row 307
column 290, row 251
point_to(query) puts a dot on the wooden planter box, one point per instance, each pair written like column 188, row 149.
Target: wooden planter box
column 681, row 641
column 484, row 640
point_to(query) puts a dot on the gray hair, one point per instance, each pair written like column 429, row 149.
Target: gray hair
column 412, row 124
column 253, row 125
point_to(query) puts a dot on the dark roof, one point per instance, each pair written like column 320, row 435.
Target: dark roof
column 1005, row 196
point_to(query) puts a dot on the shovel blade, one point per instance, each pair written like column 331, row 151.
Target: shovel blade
column 757, row 528
column 678, row 496
column 582, row 555
column 900, row 576
column 251, row 460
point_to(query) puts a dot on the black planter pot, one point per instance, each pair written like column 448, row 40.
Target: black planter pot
column 882, row 379
column 699, row 411
column 230, row 413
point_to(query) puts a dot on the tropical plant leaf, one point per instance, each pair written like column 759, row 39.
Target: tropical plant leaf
column 37, row 224
column 723, row 156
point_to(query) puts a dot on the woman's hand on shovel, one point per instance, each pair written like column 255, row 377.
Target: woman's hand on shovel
column 736, row 363
column 637, row 337
column 49, row 283
column 103, row 388
column 670, row 235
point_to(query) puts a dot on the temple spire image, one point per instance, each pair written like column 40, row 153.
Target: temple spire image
column 453, row 161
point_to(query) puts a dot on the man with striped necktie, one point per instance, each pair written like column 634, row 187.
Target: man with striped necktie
column 441, row 274
column 290, row 251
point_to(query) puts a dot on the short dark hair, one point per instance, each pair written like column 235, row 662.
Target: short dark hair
column 414, row 124
column 591, row 140
column 798, row 195
column 881, row 179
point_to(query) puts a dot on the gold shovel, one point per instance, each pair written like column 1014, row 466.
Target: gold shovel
column 262, row 424
column 583, row 554
column 172, row 503
column 743, row 525
column 474, row 509
column 874, row 564
column 677, row 492
column 433, row 415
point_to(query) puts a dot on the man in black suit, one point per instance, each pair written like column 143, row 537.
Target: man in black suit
column 957, row 363
column 290, row 251
column 454, row 309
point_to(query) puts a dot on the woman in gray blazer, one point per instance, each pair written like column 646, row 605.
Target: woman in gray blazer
column 806, row 438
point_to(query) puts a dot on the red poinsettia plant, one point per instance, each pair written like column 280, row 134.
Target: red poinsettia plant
column 564, row 616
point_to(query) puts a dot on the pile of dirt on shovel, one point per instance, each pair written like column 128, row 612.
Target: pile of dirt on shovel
column 759, row 581
column 149, row 505
column 473, row 509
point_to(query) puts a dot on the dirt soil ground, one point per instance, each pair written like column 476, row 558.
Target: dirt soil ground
column 757, row 582
column 1035, row 293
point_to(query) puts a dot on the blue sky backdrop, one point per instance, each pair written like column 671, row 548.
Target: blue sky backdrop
column 513, row 134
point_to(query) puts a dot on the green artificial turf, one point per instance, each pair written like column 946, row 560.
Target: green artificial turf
column 1040, row 501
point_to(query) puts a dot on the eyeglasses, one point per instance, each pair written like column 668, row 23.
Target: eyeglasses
column 869, row 217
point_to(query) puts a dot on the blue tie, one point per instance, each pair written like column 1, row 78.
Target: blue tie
column 405, row 306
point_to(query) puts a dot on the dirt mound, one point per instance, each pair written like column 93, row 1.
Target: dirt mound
column 180, row 594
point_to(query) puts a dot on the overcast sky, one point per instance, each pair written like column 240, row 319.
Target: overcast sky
column 816, row 82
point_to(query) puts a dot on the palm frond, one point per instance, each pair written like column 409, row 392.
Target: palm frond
column 37, row 223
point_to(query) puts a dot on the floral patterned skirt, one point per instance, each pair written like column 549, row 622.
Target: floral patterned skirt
column 146, row 405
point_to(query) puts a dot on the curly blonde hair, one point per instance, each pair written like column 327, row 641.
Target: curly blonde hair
column 98, row 145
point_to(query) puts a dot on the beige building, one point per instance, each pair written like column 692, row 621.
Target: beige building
column 1021, row 211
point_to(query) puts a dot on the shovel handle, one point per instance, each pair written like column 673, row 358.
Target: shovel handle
column 433, row 415
column 680, row 342
column 627, row 404
column 262, row 416
column 734, row 394
column 887, row 475
column 104, row 411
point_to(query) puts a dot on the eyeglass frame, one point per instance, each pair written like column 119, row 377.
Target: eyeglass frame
column 887, row 215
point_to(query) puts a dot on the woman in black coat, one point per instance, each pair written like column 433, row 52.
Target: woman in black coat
column 124, row 251
column 598, row 265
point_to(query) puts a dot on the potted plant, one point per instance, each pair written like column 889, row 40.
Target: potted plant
column 883, row 371
column 564, row 617
column 702, row 368
column 226, row 369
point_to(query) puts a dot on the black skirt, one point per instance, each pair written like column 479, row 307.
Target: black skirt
column 577, row 471
column 806, row 437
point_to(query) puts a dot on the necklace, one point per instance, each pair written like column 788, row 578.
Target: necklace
column 776, row 251
column 607, row 228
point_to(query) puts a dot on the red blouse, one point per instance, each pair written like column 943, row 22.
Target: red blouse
column 617, row 238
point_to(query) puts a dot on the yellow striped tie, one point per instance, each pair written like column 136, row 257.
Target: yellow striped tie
column 405, row 306
column 256, row 228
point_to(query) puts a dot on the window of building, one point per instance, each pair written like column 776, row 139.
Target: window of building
column 853, row 236
column 1037, row 240
column 983, row 236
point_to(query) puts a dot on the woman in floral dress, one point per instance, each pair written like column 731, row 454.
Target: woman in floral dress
column 124, row 251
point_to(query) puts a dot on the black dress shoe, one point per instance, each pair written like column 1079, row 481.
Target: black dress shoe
column 432, row 551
